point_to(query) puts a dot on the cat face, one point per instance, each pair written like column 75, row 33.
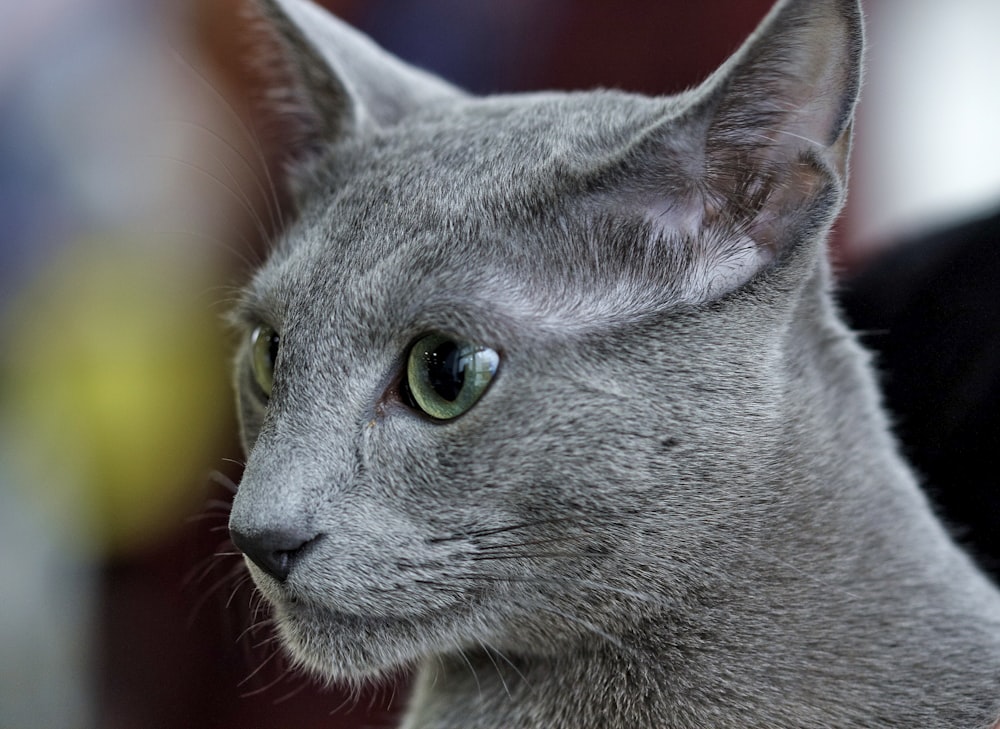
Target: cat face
column 508, row 378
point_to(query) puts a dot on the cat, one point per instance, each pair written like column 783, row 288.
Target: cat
column 546, row 395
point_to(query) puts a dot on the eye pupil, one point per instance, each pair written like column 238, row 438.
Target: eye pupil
column 272, row 349
column 446, row 370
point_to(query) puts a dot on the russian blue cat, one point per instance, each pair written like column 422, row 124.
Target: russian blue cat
column 546, row 395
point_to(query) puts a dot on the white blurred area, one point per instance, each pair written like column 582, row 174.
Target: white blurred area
column 928, row 134
column 109, row 344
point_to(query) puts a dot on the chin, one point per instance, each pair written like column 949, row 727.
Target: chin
column 338, row 646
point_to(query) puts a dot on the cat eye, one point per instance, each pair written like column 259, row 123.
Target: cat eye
column 264, row 342
column 445, row 377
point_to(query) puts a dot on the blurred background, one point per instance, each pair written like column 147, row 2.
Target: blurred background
column 139, row 182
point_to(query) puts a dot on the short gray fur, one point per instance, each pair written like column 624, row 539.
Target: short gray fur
column 679, row 503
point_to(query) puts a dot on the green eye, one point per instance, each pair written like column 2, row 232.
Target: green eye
column 264, row 350
column 447, row 376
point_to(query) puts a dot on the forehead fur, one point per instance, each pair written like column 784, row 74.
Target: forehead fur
column 506, row 202
column 500, row 156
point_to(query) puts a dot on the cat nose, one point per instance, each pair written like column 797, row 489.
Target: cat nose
column 273, row 551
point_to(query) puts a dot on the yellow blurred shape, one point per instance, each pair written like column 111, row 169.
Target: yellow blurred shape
column 114, row 389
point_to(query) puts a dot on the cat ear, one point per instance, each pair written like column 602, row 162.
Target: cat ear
column 343, row 82
column 757, row 160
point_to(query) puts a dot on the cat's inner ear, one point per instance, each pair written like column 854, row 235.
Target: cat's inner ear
column 341, row 81
column 757, row 161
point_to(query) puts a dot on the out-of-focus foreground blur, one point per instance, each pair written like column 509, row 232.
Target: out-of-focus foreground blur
column 136, row 194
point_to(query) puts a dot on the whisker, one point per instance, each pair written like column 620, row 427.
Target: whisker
column 258, row 223
column 474, row 534
column 510, row 663
column 266, row 640
column 254, row 627
column 270, row 200
column 274, row 654
column 206, row 595
column 239, row 585
column 531, row 555
column 282, row 675
column 352, row 698
column 247, row 130
column 258, row 605
column 530, row 543
column 208, row 514
column 204, row 567
column 292, row 694
column 485, row 553
column 503, row 681
column 218, row 505
column 392, row 695
column 472, row 669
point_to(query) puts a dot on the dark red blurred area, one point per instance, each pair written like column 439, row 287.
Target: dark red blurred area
column 185, row 642
column 644, row 45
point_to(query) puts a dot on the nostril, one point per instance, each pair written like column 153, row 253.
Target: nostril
column 274, row 551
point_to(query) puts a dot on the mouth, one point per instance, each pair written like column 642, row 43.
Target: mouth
column 362, row 628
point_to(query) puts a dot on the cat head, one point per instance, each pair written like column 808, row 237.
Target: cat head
column 516, row 347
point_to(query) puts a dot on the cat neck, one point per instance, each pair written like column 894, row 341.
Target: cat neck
column 779, row 668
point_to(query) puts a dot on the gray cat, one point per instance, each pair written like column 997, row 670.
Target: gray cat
column 546, row 394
